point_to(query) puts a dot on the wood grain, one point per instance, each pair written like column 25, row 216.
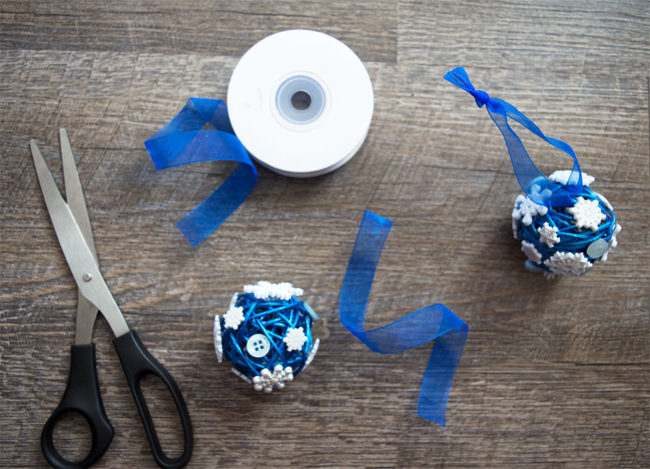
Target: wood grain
column 554, row 374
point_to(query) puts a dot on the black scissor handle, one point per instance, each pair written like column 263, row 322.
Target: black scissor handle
column 82, row 397
column 138, row 362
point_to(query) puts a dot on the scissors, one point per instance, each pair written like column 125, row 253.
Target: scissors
column 72, row 227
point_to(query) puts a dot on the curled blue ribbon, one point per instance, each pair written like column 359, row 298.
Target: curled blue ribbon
column 533, row 182
column 182, row 141
column 435, row 321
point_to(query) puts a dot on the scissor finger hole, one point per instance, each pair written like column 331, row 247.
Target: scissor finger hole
column 72, row 436
column 163, row 412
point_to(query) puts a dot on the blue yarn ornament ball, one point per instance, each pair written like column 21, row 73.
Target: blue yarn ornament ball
column 267, row 335
column 565, row 240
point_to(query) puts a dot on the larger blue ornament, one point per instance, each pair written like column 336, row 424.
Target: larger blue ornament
column 267, row 335
column 564, row 226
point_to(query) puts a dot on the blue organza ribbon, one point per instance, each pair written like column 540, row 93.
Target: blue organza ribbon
column 182, row 141
column 435, row 321
column 534, row 183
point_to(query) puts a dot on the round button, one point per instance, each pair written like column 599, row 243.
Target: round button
column 258, row 345
column 596, row 249
column 532, row 267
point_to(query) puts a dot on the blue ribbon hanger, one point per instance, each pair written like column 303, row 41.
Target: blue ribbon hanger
column 435, row 321
column 182, row 141
column 533, row 182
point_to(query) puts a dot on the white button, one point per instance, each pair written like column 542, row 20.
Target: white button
column 596, row 249
column 258, row 345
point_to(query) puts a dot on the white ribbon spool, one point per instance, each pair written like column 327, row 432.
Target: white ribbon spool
column 301, row 102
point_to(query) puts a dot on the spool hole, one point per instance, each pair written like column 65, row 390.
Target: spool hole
column 301, row 100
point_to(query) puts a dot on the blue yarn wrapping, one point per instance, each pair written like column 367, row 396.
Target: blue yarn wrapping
column 272, row 318
column 572, row 239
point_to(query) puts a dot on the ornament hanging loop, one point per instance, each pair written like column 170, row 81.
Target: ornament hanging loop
column 533, row 182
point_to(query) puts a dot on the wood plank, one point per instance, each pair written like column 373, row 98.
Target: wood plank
column 206, row 27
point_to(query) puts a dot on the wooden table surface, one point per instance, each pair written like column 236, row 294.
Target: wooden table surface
column 554, row 374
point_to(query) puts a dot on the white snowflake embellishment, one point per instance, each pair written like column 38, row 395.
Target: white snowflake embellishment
column 525, row 209
column 613, row 242
column 266, row 380
column 562, row 177
column 265, row 290
column 548, row 234
column 295, row 338
column 531, row 252
column 515, row 228
column 568, row 263
column 216, row 332
column 234, row 317
column 587, row 214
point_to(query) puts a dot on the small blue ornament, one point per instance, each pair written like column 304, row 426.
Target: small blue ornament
column 267, row 335
column 565, row 240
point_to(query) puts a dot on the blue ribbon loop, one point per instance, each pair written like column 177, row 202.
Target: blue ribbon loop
column 182, row 141
column 533, row 182
column 435, row 321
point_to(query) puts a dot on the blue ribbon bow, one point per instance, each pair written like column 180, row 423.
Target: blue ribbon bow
column 533, row 182
column 182, row 141
column 435, row 321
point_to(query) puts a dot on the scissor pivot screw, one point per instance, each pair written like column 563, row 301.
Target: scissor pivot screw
column 87, row 277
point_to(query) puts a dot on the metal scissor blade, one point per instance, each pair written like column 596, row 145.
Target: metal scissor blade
column 86, row 311
column 74, row 193
column 75, row 249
